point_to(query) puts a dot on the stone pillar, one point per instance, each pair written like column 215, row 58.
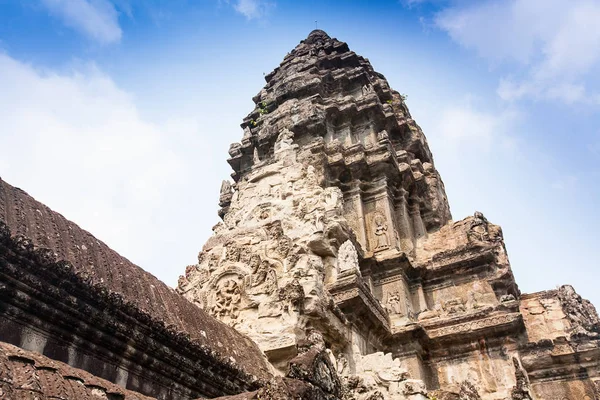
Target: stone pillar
column 421, row 302
column 354, row 213
column 404, row 222
column 417, row 221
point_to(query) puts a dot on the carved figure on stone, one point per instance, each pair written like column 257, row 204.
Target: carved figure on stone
column 263, row 279
column 380, row 230
column 284, row 140
column 454, row 306
column 232, row 253
column 311, row 176
column 280, row 249
column 468, row 391
column 393, row 305
column 475, row 298
column 479, row 229
column 383, row 135
column 333, row 199
column 226, row 192
column 189, row 270
column 245, row 254
column 274, row 230
column 366, row 89
column 182, row 281
column 227, row 299
column 348, row 257
column 521, row 390
column 342, row 364
column 294, row 293
column 210, row 260
column 213, row 263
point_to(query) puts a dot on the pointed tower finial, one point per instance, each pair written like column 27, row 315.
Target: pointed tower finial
column 317, row 34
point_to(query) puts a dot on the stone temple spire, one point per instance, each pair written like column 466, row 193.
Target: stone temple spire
column 337, row 237
column 329, row 156
column 333, row 100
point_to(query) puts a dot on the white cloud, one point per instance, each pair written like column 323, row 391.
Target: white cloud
column 252, row 9
column 77, row 143
column 554, row 43
column 97, row 19
column 461, row 126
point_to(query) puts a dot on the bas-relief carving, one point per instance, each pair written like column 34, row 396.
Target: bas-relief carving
column 380, row 235
column 226, row 189
column 273, row 281
column 396, row 300
column 226, row 299
column 348, row 258
column 263, row 279
column 460, row 299
column 284, row 140
column 232, row 253
column 393, row 304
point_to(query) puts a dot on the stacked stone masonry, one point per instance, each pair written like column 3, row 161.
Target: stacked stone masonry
column 337, row 222
column 337, row 272
column 66, row 295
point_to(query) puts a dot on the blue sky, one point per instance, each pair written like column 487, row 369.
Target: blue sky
column 119, row 114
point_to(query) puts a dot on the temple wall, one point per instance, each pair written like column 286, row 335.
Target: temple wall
column 397, row 299
column 571, row 389
column 65, row 320
column 491, row 371
column 457, row 298
column 543, row 315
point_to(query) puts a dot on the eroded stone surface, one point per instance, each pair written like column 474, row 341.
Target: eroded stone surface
column 337, row 255
column 337, row 222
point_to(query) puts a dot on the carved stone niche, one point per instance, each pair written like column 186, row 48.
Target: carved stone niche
column 262, row 281
column 380, row 232
column 348, row 259
column 223, row 297
column 396, row 299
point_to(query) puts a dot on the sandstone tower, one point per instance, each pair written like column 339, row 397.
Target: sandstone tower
column 337, row 224
column 336, row 274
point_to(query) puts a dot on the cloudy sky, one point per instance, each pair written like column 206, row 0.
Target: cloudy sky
column 119, row 113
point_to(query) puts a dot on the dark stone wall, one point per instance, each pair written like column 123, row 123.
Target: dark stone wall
column 66, row 295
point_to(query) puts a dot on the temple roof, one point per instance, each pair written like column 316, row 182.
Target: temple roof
column 26, row 374
column 103, row 267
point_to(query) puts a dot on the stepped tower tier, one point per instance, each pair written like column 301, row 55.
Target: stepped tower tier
column 337, row 226
column 358, row 135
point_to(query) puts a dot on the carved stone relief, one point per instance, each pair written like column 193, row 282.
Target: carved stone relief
column 348, row 257
column 380, row 232
column 297, row 199
column 263, row 279
column 226, row 299
column 393, row 304
column 479, row 228
column 284, row 140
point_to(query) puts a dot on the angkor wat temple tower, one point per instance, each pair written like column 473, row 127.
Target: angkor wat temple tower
column 336, row 231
